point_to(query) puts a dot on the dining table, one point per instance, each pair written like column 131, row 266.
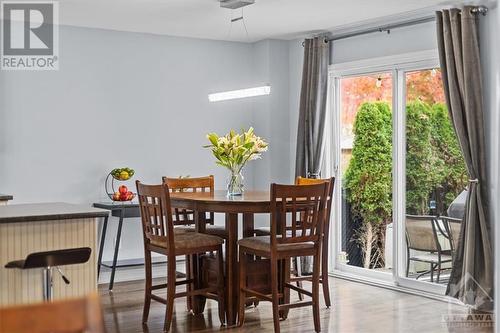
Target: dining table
column 245, row 205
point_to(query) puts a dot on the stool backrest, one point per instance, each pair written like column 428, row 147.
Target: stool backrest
column 57, row 258
column 156, row 213
column 82, row 315
column 298, row 203
column 196, row 184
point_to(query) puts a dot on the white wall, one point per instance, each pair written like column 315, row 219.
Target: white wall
column 271, row 61
column 490, row 58
column 137, row 100
column 419, row 37
column 402, row 40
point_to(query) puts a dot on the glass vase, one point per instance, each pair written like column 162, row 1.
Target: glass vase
column 235, row 183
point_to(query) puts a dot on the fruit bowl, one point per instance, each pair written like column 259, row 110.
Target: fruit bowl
column 122, row 174
column 118, row 198
column 123, row 194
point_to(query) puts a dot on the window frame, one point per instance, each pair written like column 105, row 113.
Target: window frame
column 398, row 66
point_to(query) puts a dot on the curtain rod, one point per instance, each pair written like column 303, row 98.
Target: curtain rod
column 387, row 28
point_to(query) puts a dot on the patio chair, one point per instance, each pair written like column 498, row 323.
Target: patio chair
column 421, row 235
column 453, row 228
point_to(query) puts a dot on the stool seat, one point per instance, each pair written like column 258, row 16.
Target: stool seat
column 52, row 258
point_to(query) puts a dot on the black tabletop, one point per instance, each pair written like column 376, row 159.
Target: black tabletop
column 4, row 197
column 47, row 212
column 113, row 205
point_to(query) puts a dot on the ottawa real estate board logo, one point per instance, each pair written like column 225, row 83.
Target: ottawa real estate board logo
column 30, row 35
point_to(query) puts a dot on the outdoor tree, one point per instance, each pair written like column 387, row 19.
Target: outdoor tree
column 423, row 167
column 368, row 179
column 453, row 174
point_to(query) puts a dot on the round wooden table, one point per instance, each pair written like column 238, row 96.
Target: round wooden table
column 248, row 204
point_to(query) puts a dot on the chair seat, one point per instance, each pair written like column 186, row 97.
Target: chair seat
column 216, row 230
column 263, row 243
column 210, row 229
column 431, row 257
column 262, row 231
column 52, row 258
column 184, row 228
column 185, row 241
column 265, row 231
column 15, row 264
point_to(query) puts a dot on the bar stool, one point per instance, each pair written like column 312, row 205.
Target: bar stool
column 49, row 260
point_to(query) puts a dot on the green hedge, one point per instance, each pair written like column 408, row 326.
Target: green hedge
column 435, row 168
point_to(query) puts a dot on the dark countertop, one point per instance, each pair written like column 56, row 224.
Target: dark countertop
column 5, row 197
column 47, row 212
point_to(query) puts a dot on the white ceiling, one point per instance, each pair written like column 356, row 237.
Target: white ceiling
column 281, row 19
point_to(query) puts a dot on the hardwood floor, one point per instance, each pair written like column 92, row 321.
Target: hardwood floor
column 356, row 308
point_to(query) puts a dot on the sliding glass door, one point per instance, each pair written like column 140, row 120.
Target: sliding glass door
column 435, row 176
column 399, row 169
column 365, row 171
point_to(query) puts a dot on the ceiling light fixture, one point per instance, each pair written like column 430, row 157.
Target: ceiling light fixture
column 241, row 93
column 235, row 4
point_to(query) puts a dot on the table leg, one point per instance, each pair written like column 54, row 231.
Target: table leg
column 248, row 225
column 198, row 302
column 117, row 246
column 232, row 268
column 101, row 246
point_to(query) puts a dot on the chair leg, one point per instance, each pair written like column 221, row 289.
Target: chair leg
column 324, row 267
column 220, row 286
column 326, row 286
column 438, row 272
column 324, row 274
column 298, row 271
column 170, row 293
column 407, row 266
column 243, row 284
column 274, row 287
column 315, row 293
column 189, row 286
column 432, row 273
column 285, row 270
column 148, row 289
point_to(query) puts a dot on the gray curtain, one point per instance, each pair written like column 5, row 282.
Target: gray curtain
column 312, row 112
column 312, row 115
column 471, row 279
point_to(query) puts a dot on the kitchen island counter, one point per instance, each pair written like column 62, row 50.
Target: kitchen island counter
column 28, row 228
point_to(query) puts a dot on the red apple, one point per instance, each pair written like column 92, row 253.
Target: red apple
column 123, row 189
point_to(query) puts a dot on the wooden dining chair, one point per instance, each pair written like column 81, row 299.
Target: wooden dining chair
column 184, row 218
column 298, row 278
column 80, row 315
column 326, row 236
column 160, row 237
column 306, row 203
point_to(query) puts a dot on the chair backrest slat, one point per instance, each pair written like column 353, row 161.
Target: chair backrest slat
column 307, row 201
column 195, row 184
column 156, row 213
column 311, row 181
